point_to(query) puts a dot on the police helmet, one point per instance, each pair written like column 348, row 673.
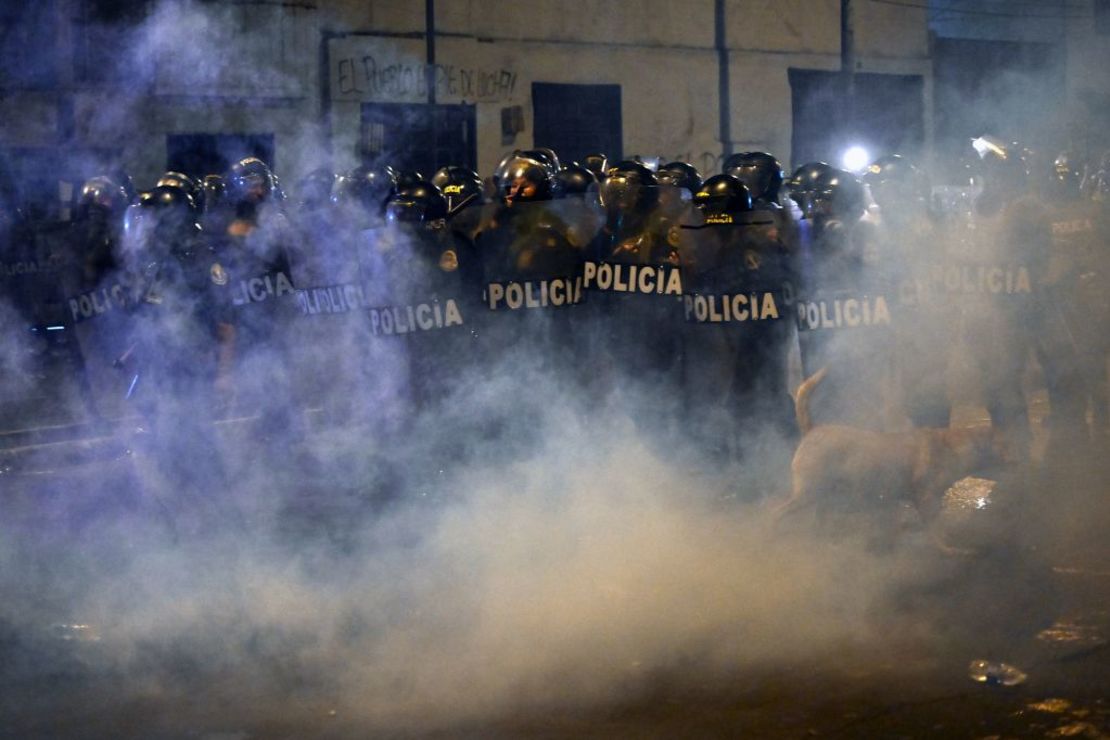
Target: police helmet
column 172, row 212
column 839, row 194
column 630, row 186
column 652, row 163
column 1065, row 179
column 574, row 180
column 680, row 175
column 101, row 194
column 367, row 187
column 801, row 184
column 721, row 197
column 215, row 191
column 598, row 164
column 759, row 171
column 545, row 156
column 460, row 186
column 250, row 179
column 172, row 179
column 408, row 178
column 523, row 178
column 421, row 203
column 314, row 189
column 894, row 180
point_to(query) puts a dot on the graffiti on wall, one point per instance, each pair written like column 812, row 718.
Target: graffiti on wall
column 371, row 78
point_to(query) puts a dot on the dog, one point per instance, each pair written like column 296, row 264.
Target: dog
column 843, row 468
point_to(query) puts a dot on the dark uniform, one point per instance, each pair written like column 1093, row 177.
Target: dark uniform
column 999, row 284
column 171, row 361
column 258, row 303
column 634, row 287
column 736, row 276
column 98, row 285
column 917, row 253
column 845, row 303
column 1072, row 347
column 531, row 261
column 434, row 306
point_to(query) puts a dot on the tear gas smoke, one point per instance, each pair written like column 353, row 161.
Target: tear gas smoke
column 499, row 553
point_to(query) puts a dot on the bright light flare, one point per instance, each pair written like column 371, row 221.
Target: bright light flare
column 985, row 145
column 855, row 158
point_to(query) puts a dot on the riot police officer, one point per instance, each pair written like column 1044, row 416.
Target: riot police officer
column 1072, row 345
column 171, row 360
column 532, row 282
column 434, row 295
column 94, row 282
column 254, row 274
column 635, row 229
column 632, row 315
column 462, row 189
column 1002, row 273
column 737, row 279
column 916, row 254
column 844, row 315
column 99, row 221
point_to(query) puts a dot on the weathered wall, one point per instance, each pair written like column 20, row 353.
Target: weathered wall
column 256, row 69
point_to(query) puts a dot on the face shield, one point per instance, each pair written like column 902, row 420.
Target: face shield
column 626, row 192
column 519, row 188
column 405, row 212
column 753, row 177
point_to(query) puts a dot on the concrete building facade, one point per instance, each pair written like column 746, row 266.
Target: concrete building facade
column 91, row 84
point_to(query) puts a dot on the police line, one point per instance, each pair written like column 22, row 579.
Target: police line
column 813, row 312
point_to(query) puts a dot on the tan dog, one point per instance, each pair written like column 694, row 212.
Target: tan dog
column 845, row 468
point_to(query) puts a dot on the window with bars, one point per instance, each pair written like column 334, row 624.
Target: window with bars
column 417, row 136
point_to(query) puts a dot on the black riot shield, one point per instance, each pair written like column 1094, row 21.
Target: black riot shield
column 997, row 281
column 844, row 316
column 327, row 364
column 737, row 303
column 531, row 265
column 431, row 307
column 255, row 305
column 632, row 318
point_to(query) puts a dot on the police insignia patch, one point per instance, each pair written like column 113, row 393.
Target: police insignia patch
column 751, row 260
column 449, row 261
column 218, row 274
column 674, row 236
